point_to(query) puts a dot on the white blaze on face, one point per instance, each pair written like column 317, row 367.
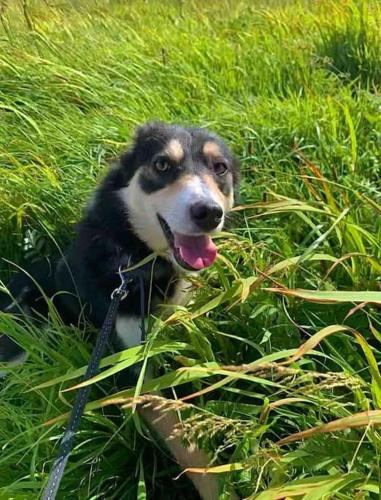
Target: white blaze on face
column 173, row 203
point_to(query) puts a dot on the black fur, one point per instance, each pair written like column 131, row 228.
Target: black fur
column 88, row 272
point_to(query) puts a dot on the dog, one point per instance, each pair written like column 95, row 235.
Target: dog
column 167, row 194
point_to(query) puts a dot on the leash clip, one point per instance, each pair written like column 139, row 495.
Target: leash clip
column 121, row 291
column 67, row 442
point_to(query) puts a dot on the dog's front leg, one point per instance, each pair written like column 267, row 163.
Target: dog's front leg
column 163, row 423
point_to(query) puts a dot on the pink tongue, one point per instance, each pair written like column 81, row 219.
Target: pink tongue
column 197, row 251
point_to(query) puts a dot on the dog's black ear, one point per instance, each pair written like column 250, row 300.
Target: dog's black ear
column 127, row 159
column 148, row 140
column 153, row 129
column 145, row 140
column 151, row 136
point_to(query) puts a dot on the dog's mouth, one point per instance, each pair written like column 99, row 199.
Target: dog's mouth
column 191, row 252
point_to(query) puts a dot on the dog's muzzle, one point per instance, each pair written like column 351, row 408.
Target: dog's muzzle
column 192, row 252
column 206, row 216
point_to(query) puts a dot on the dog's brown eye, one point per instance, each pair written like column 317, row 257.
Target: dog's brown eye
column 220, row 168
column 161, row 164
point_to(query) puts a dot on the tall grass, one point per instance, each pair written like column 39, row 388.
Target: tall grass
column 277, row 357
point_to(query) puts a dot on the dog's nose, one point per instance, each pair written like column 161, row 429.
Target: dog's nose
column 207, row 216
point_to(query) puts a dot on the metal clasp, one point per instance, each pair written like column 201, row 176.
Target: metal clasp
column 122, row 288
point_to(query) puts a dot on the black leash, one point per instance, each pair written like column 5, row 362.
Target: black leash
column 67, row 442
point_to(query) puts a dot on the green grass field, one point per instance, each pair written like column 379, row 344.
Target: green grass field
column 280, row 381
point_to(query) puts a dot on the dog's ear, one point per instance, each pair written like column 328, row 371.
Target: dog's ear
column 144, row 141
column 127, row 160
column 151, row 136
column 150, row 130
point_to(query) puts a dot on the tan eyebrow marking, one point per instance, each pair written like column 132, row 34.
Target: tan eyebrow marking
column 175, row 150
column 211, row 148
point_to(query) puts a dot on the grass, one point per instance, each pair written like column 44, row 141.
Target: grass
column 277, row 379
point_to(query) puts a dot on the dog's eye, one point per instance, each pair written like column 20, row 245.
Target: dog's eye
column 161, row 164
column 220, row 168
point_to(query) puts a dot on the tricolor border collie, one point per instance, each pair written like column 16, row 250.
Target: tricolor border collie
column 168, row 194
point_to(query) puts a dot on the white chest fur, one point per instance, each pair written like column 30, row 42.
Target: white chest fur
column 128, row 330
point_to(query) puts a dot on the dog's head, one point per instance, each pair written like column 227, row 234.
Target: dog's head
column 181, row 185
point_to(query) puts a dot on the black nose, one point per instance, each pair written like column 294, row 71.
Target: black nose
column 207, row 216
